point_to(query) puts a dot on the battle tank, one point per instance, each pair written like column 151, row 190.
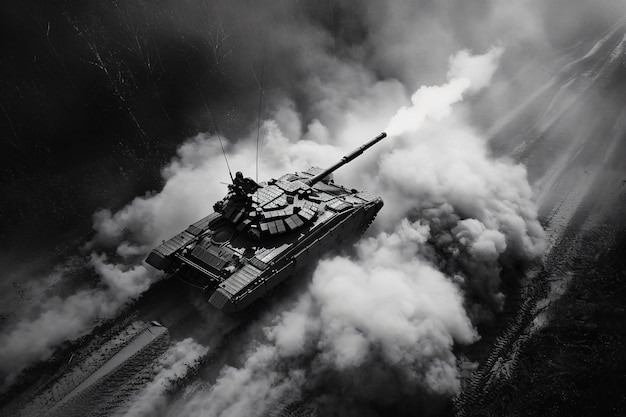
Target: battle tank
column 261, row 234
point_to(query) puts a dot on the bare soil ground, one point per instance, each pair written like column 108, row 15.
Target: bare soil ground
column 575, row 364
column 97, row 377
column 563, row 351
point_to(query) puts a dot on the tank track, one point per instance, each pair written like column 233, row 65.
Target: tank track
column 363, row 228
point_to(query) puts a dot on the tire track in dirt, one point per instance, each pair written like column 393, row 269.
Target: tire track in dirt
column 107, row 390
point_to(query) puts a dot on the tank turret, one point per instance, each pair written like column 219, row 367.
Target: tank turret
column 260, row 234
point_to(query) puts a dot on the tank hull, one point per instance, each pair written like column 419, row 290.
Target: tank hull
column 346, row 230
column 281, row 258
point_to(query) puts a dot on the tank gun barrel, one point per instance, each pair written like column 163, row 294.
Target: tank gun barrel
column 349, row 157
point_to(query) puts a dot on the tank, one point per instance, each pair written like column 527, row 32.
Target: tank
column 261, row 234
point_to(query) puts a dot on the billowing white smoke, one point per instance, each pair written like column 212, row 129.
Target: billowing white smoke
column 437, row 169
column 381, row 325
column 467, row 73
column 173, row 365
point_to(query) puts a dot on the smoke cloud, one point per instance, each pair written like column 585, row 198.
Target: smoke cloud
column 435, row 168
column 466, row 72
column 380, row 326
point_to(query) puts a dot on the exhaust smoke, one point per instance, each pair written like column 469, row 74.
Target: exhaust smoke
column 378, row 327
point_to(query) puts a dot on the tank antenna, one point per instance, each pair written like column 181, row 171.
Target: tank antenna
column 217, row 130
column 258, row 126
column 219, row 136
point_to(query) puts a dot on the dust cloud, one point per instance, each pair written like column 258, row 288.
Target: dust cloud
column 381, row 325
column 338, row 75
